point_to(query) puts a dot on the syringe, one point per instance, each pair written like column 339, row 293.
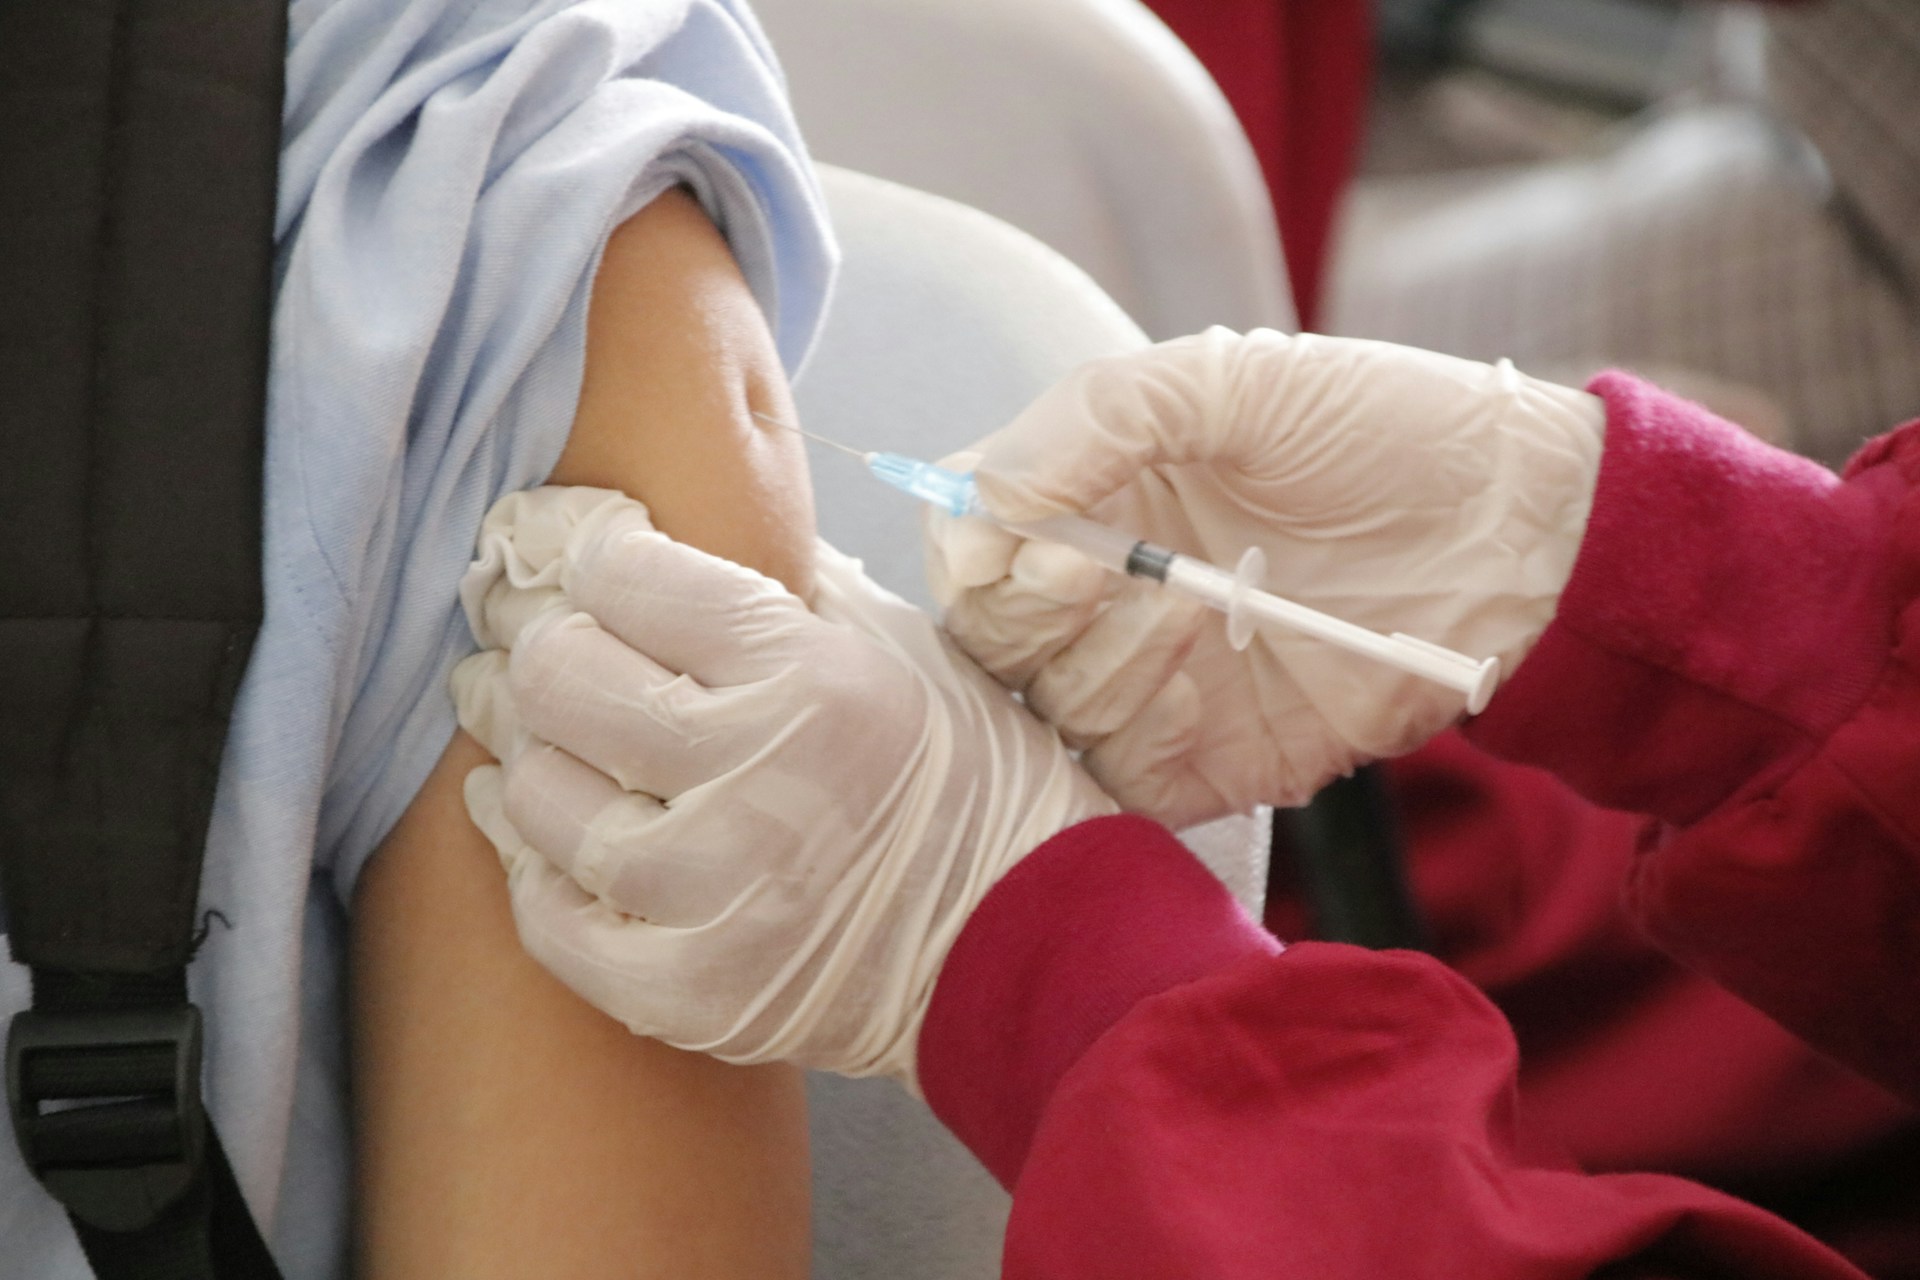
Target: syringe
column 1236, row 594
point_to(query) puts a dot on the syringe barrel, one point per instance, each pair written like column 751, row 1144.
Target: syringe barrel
column 1201, row 580
column 1106, row 547
column 1238, row 595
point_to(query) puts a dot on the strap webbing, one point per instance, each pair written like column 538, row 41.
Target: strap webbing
column 1345, row 848
column 208, row 1233
column 139, row 144
column 205, row 1234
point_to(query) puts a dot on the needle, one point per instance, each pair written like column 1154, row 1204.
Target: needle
column 831, row 444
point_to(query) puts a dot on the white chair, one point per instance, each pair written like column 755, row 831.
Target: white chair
column 1085, row 123
column 945, row 322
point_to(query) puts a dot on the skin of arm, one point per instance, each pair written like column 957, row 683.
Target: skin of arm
column 505, row 1128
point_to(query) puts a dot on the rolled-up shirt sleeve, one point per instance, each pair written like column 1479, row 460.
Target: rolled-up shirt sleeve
column 450, row 175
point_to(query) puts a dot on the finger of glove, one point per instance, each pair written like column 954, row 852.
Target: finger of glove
column 482, row 791
column 1092, row 433
column 690, row 612
column 649, row 729
column 483, row 702
column 679, row 868
column 515, row 574
column 1116, row 666
column 610, row 842
column 960, row 552
column 844, row 594
column 963, row 551
column 1186, row 764
column 1148, row 766
column 1014, row 626
column 689, row 987
column 607, row 958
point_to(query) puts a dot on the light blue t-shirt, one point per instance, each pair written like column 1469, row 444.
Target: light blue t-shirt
column 450, row 172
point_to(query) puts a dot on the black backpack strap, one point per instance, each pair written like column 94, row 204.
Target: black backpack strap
column 1345, row 849
column 144, row 1178
column 139, row 146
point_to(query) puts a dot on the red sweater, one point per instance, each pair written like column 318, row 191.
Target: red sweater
column 1168, row 1093
column 1629, row 1059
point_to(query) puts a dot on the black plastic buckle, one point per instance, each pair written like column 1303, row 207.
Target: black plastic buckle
column 126, row 1137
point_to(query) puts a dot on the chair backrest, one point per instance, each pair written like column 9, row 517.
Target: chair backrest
column 1085, row 123
column 944, row 324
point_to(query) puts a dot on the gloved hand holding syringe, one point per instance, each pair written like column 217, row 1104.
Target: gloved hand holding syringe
column 1236, row 593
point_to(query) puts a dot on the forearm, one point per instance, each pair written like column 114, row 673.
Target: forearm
column 506, row 1128
column 1166, row 1095
column 1731, row 605
column 1734, row 655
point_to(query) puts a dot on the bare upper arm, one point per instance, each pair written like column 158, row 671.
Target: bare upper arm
column 504, row 1127
column 677, row 355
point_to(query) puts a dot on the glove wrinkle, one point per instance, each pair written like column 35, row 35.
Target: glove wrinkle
column 1105, row 675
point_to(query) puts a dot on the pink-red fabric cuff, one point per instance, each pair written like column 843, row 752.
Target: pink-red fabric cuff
column 1730, row 606
column 1095, row 920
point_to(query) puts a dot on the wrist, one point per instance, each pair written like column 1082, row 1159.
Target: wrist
column 1547, row 466
column 1726, row 609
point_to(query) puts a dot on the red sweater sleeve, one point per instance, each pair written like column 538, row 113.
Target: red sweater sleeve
column 1168, row 1094
column 1738, row 654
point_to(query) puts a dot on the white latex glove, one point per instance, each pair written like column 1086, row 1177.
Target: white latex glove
column 1395, row 488
column 734, row 824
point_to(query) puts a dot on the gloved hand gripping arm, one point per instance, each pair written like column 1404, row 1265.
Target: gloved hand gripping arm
column 735, row 824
